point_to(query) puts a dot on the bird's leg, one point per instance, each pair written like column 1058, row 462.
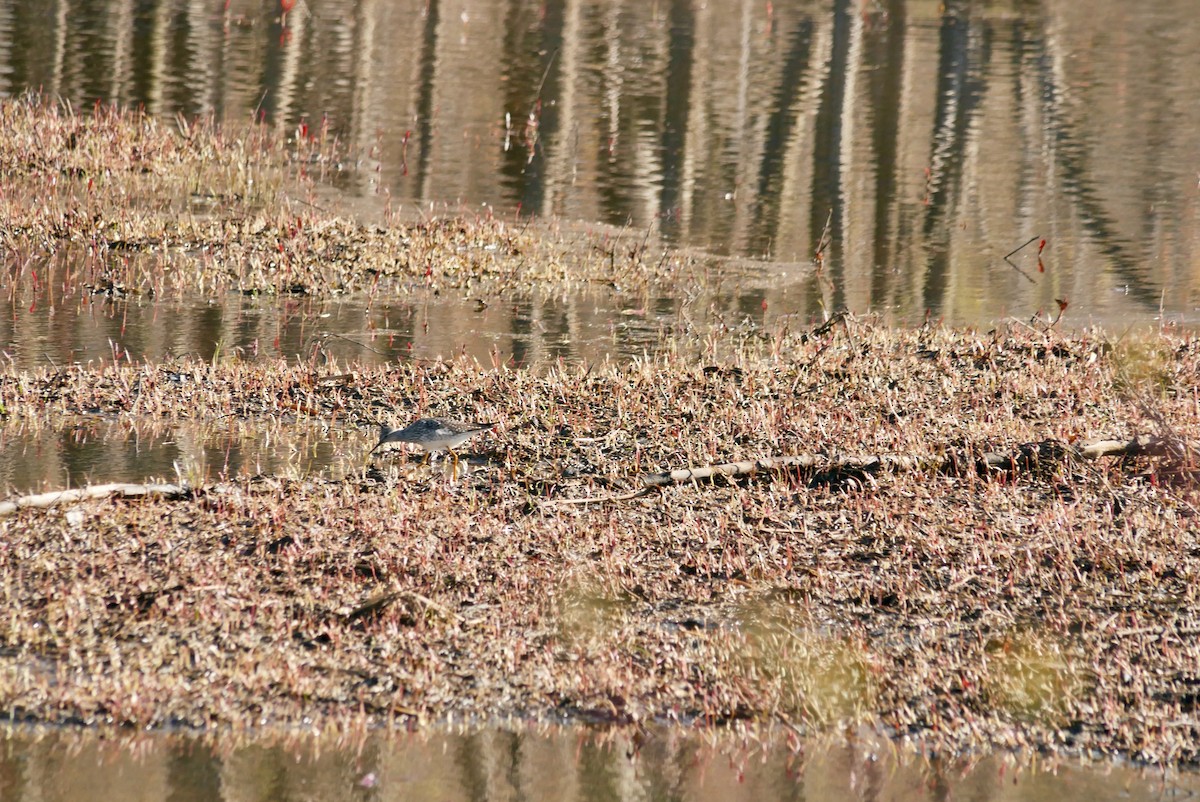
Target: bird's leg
column 455, row 463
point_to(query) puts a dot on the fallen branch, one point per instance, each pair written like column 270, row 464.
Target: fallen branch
column 380, row 602
column 804, row 461
column 71, row 495
column 1011, row 264
column 1027, row 456
column 1144, row 445
column 642, row 491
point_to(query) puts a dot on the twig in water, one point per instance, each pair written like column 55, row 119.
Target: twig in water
column 542, row 83
column 1020, row 247
column 1015, row 250
column 825, row 240
column 331, row 336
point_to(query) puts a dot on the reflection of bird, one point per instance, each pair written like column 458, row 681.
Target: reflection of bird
column 432, row 434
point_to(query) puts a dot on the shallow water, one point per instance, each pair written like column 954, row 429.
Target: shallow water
column 98, row 450
column 527, row 329
column 893, row 152
column 503, row 764
column 531, row 331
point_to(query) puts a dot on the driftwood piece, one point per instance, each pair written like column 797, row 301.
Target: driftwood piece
column 895, row 462
column 1051, row 452
column 1027, row 456
column 72, row 495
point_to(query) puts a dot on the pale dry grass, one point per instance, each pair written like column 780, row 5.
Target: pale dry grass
column 118, row 203
column 1054, row 609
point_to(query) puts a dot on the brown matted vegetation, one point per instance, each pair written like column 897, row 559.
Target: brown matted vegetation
column 1047, row 603
column 1050, row 606
column 119, row 203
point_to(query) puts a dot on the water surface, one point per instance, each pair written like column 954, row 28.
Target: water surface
column 566, row 765
column 895, row 151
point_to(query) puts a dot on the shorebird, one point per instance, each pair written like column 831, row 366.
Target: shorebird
column 432, row 434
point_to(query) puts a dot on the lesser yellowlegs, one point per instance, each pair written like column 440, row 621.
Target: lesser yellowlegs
column 432, row 434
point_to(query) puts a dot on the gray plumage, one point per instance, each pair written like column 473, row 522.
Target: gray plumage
column 432, row 434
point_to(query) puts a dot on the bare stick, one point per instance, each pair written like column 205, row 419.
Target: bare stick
column 1048, row 451
column 644, row 491
column 44, row 500
column 542, row 83
column 1013, row 265
column 381, row 601
column 895, row 462
column 1021, row 247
